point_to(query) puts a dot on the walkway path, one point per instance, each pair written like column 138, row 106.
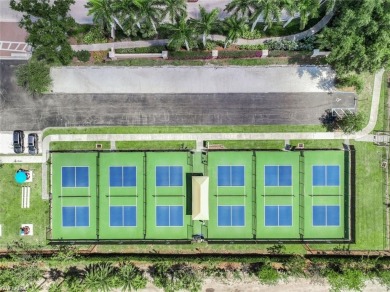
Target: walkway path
column 137, row 44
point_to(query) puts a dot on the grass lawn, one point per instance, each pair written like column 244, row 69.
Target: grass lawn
column 78, row 145
column 369, row 200
column 155, row 145
column 11, row 213
column 184, row 129
column 250, row 144
column 316, row 144
column 365, row 97
column 381, row 123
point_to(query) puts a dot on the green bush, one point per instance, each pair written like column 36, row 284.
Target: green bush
column 350, row 80
column 142, row 50
column 251, row 35
column 268, row 275
column 252, row 47
column 34, row 77
column 383, row 277
column 239, row 54
column 350, row 279
column 307, row 44
column 83, row 55
column 189, row 55
column 94, row 36
column 130, row 277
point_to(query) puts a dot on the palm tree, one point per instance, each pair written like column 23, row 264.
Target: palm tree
column 126, row 11
column 182, row 33
column 99, row 277
column 234, row 28
column 149, row 13
column 130, row 277
column 206, row 22
column 174, row 9
column 270, row 10
column 305, row 8
column 103, row 14
column 240, row 8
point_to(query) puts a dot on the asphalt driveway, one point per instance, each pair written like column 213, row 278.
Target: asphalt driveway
column 18, row 110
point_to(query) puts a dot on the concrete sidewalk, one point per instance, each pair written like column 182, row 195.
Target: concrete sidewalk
column 183, row 79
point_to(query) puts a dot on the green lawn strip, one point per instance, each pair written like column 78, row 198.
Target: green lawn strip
column 249, row 144
column 184, row 129
column 59, row 146
column 381, row 123
column 365, row 97
column 369, row 200
column 318, row 144
column 196, row 248
column 155, row 145
column 11, row 213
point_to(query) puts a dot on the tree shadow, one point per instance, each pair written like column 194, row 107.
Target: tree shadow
column 329, row 121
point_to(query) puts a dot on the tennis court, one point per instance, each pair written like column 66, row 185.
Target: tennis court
column 121, row 198
column 230, row 195
column 146, row 195
column 166, row 196
column 277, row 195
column 74, row 195
column 324, row 194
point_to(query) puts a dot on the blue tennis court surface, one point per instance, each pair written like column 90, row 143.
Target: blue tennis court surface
column 326, row 175
column 123, row 176
column 231, row 176
column 326, row 215
column 169, row 216
column 169, row 176
column 75, row 216
column 123, row 216
column 231, row 215
column 75, row 176
column 278, row 215
column 278, row 175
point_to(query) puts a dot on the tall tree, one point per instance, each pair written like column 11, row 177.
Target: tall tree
column 103, row 14
column 359, row 36
column 206, row 22
column 182, row 33
column 48, row 26
column 305, row 8
column 234, row 28
column 269, row 10
column 240, row 8
column 149, row 13
column 174, row 9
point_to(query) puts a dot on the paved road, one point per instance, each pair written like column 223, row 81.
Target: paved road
column 19, row 110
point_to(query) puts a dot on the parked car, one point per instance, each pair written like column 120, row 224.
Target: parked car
column 18, row 141
column 33, row 143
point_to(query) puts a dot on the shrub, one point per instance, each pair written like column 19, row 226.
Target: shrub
column 286, row 45
column 350, row 279
column 268, row 275
column 130, row 277
column 142, row 50
column 83, row 55
column 239, row 54
column 94, row 36
column 252, row 47
column 34, row 77
column 351, row 123
column 350, row 80
column 189, row 55
column 384, row 278
column 99, row 56
column 251, row 35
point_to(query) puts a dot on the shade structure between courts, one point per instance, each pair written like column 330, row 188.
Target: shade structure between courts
column 200, row 198
column 277, row 195
column 230, row 194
